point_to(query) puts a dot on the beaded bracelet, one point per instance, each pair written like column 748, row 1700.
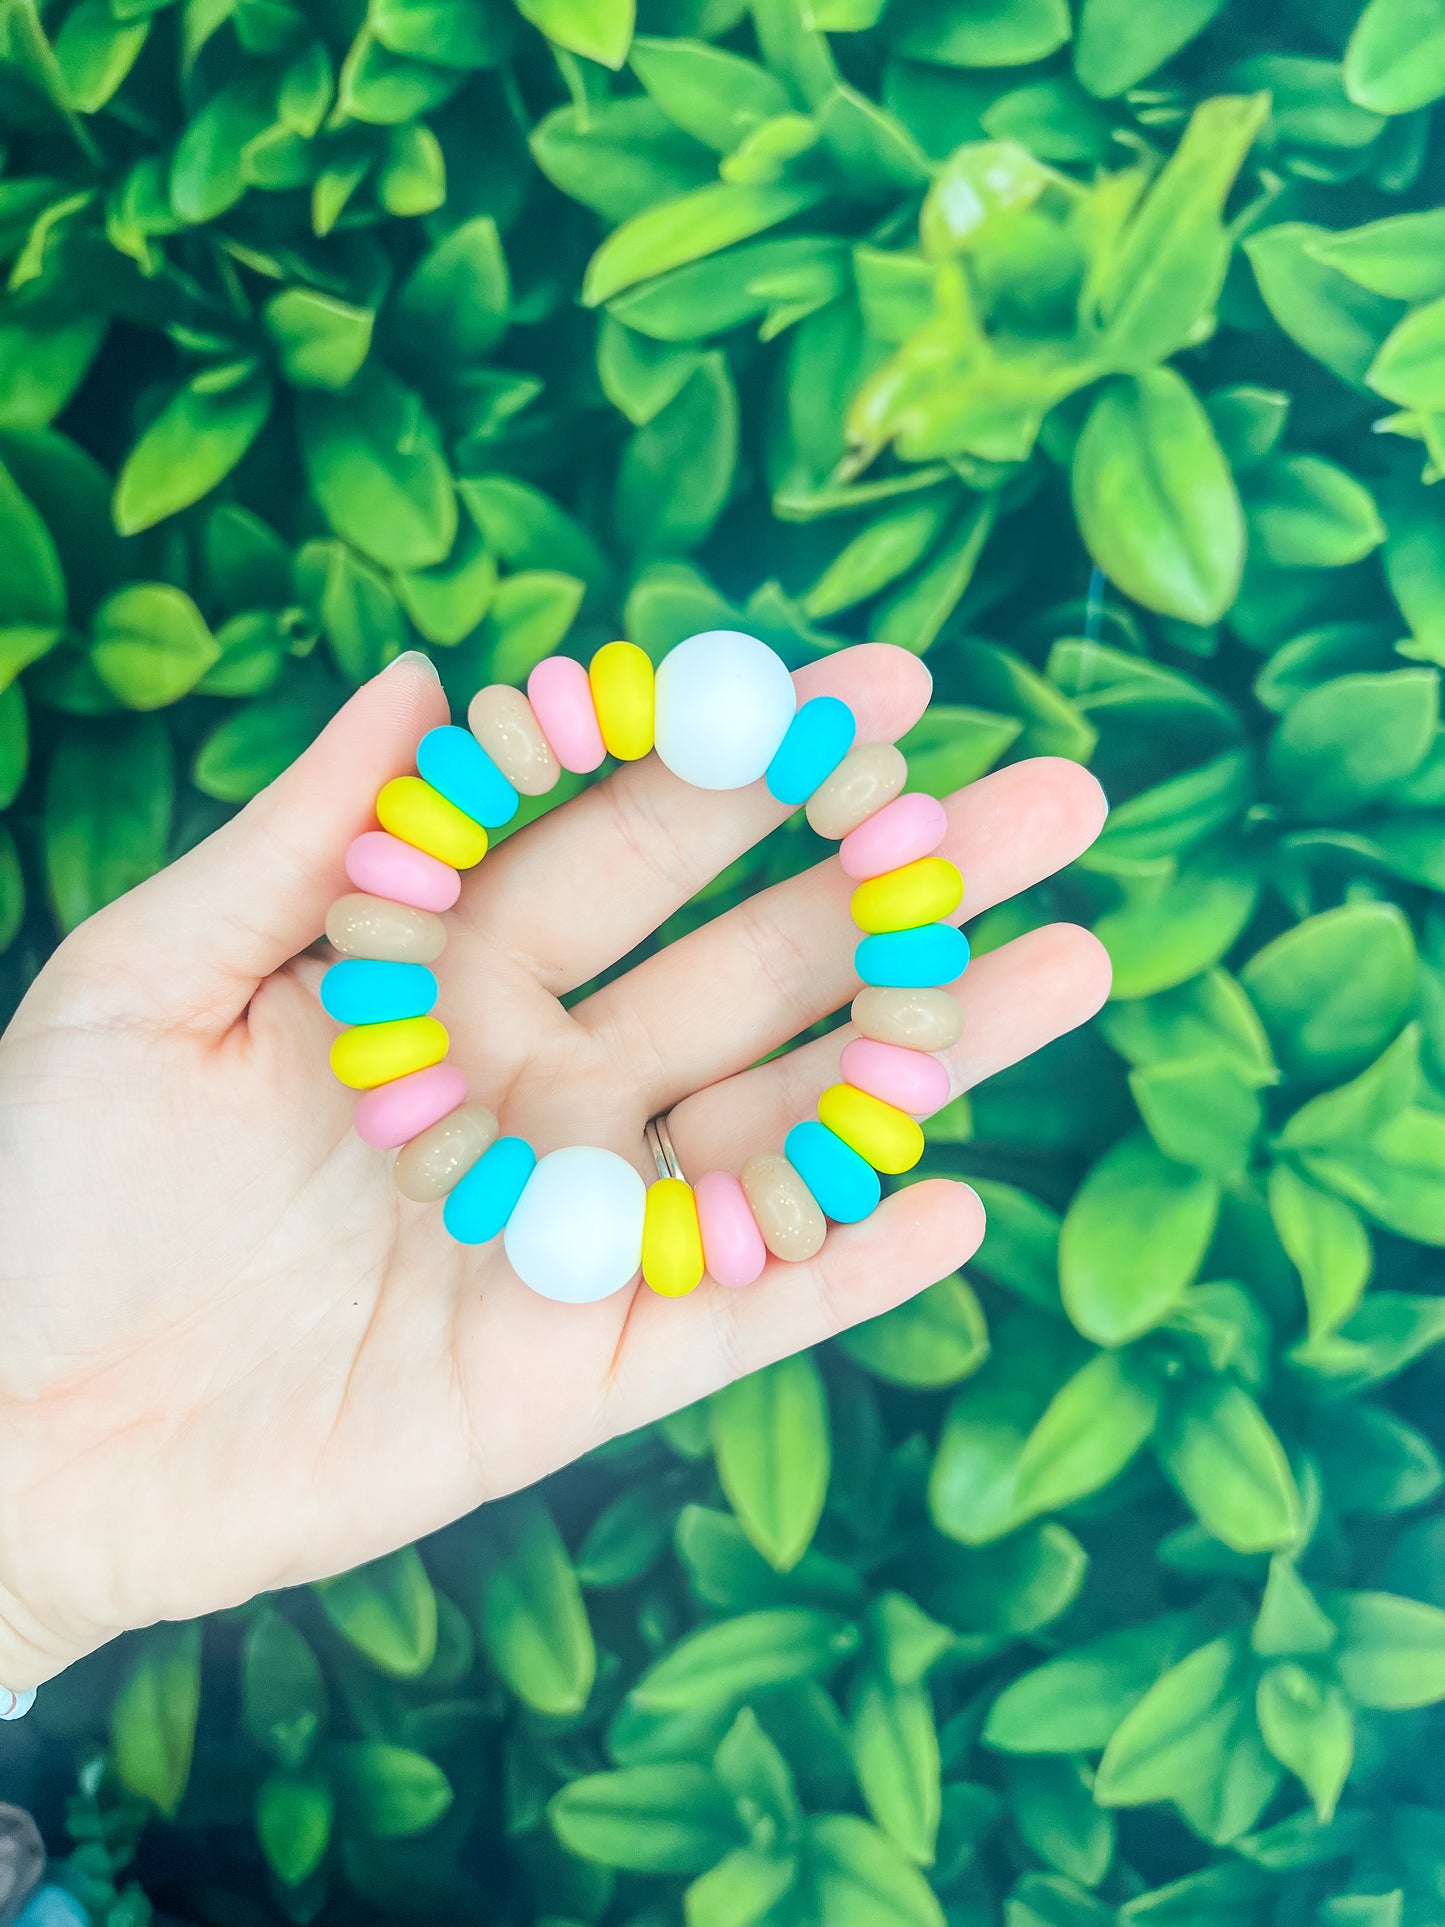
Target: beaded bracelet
column 577, row 1225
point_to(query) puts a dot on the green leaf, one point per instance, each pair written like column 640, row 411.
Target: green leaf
column 619, row 156
column 386, row 1610
column 1398, row 256
column 725, row 1664
column 1307, row 513
column 32, row 585
column 983, row 33
column 1391, row 1653
column 94, row 52
column 1227, row 1463
column 1360, row 1108
column 904, row 1641
column 1156, row 290
column 628, row 1536
column 283, row 1693
column 1374, row 1463
column 529, row 1611
column 387, row 1792
column 1117, row 45
column 448, row 602
column 321, row 340
column 1052, row 1800
column 599, row 30
column 1089, row 1432
column 151, row 645
column 109, row 799
column 716, row 96
column 1291, row 1620
column 729, row 1574
column 1327, row 1244
column 861, row 1879
column 1410, row 367
column 1133, row 1240
column 1310, row 1729
column 1340, row 324
column 14, row 750
column 1352, row 739
column 1193, row 1739
column 886, row 548
column 1199, row 1111
column 1395, row 1178
column 1155, row 500
column 1395, row 60
column 770, row 1439
column 294, row 1812
column 1076, row 1702
column 456, row 303
column 374, row 460
column 191, row 446
column 359, row 612
column 895, row 1753
column 752, row 1769
column 682, row 230
column 668, row 1819
column 933, row 1340
column 153, row 1716
column 973, row 1487
column 677, row 470
column 740, row 1891
column 1336, row 988
column 451, row 32
column 255, row 743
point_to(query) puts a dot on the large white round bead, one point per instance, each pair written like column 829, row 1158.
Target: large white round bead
column 576, row 1232
column 724, row 702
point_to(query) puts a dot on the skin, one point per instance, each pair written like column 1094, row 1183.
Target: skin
column 234, row 1358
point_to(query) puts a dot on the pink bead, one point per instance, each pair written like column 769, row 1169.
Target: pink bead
column 902, row 831
column 560, row 693
column 909, row 1079
column 392, row 1113
column 387, row 867
column 731, row 1242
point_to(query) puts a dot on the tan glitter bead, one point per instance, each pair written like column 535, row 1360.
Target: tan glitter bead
column 362, row 926
column 506, row 726
column 867, row 778
column 793, row 1227
column 917, row 1019
column 428, row 1167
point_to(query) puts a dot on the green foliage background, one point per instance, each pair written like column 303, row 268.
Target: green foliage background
column 1101, row 356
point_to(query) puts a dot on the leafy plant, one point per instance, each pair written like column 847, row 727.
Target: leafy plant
column 1097, row 353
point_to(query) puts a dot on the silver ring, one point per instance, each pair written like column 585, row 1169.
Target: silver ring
column 658, row 1140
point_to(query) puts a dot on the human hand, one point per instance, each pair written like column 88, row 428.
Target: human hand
column 235, row 1359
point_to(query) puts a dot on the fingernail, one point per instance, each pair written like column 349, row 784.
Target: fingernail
column 417, row 658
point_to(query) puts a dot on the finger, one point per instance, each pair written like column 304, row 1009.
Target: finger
column 191, row 944
column 674, row 1351
column 586, row 883
column 1014, row 1001
column 745, row 983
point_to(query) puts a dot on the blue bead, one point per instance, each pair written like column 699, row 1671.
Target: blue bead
column 921, row 959
column 846, row 1186
column 363, row 990
column 819, row 737
column 52, row 1906
column 479, row 1205
column 454, row 762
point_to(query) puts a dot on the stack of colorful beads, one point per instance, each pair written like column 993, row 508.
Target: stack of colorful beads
column 579, row 1223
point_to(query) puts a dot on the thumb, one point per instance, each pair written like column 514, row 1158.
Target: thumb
column 192, row 943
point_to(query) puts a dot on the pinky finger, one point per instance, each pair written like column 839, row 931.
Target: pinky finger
column 674, row 1351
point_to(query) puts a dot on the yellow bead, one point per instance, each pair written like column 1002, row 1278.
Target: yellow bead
column 624, row 695
column 372, row 1054
column 672, row 1260
column 423, row 817
column 923, row 892
column 888, row 1138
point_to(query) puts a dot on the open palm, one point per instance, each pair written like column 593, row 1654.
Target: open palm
column 234, row 1358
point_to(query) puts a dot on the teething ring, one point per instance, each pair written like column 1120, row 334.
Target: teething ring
column 579, row 1223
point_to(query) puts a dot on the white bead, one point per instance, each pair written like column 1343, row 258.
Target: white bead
column 724, row 702
column 576, row 1233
